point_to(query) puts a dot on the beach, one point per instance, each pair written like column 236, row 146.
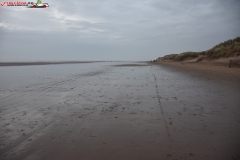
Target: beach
column 120, row 110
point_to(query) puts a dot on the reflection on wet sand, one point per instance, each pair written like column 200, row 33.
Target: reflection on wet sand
column 110, row 111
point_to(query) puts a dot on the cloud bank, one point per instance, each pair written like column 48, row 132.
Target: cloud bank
column 115, row 30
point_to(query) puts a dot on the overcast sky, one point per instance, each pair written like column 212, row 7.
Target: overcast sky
column 115, row 29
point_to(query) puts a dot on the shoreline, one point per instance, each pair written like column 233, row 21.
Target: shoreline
column 42, row 63
column 60, row 62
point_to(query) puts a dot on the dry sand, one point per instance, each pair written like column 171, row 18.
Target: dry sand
column 218, row 69
column 129, row 111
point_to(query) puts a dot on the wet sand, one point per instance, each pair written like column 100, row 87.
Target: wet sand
column 123, row 111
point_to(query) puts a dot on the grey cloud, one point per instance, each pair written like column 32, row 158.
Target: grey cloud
column 113, row 29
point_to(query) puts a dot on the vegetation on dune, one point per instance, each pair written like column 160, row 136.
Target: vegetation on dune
column 186, row 55
column 169, row 57
column 225, row 49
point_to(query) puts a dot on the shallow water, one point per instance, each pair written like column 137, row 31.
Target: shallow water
column 18, row 76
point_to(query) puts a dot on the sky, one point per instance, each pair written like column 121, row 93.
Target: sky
column 122, row 30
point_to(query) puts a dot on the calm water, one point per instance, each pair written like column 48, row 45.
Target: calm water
column 20, row 76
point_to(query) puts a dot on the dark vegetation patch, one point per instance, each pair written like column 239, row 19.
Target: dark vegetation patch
column 225, row 49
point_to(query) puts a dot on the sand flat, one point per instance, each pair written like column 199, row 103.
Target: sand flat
column 110, row 111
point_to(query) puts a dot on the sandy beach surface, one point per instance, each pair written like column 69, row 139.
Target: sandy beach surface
column 120, row 111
